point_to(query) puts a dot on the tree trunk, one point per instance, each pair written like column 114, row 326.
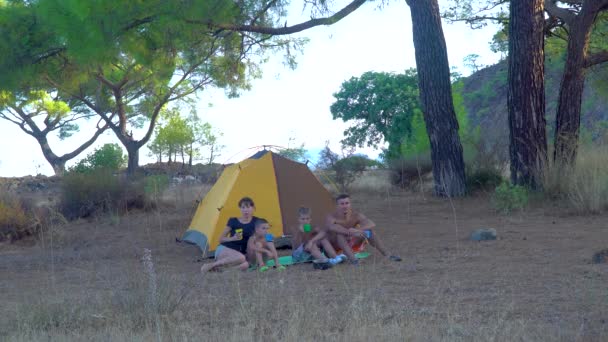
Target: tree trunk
column 568, row 116
column 526, row 97
column 58, row 167
column 133, row 157
column 436, row 98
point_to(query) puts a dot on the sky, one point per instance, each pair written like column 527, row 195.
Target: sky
column 287, row 107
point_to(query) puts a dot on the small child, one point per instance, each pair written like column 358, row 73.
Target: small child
column 309, row 241
column 260, row 244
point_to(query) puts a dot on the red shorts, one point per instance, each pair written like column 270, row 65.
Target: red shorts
column 357, row 245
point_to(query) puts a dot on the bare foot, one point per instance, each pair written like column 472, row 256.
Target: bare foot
column 206, row 268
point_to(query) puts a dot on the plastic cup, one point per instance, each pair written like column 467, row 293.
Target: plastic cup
column 307, row 227
column 239, row 233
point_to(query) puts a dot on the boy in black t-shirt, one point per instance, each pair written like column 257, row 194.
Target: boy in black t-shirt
column 233, row 240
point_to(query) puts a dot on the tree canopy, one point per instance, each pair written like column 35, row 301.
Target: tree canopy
column 127, row 60
column 381, row 105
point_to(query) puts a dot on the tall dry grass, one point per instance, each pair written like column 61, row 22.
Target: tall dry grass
column 583, row 187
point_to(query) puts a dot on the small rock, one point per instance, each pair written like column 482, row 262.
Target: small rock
column 600, row 257
column 483, row 234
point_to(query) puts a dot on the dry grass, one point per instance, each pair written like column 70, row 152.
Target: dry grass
column 534, row 283
column 271, row 307
column 583, row 188
column 373, row 183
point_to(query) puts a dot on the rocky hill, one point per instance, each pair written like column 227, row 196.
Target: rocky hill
column 485, row 99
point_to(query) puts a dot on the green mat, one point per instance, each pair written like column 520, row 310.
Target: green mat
column 288, row 260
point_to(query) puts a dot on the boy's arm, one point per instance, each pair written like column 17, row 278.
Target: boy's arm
column 319, row 236
column 296, row 240
column 253, row 245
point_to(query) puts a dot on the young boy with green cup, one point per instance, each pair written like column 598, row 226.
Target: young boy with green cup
column 307, row 242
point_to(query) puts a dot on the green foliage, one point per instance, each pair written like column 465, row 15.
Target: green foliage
column 174, row 135
column 299, row 154
column 416, row 145
column 508, row 197
column 382, row 106
column 154, row 186
column 126, row 60
column 345, row 170
column 470, row 61
column 108, row 157
column 483, row 179
column 184, row 136
column 500, row 42
column 477, row 13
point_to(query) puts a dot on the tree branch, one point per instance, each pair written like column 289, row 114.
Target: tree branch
column 566, row 15
column 596, row 58
column 277, row 31
column 84, row 146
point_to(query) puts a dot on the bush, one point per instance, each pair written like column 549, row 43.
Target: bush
column 483, row 179
column 107, row 157
column 345, row 170
column 14, row 222
column 154, row 186
column 407, row 171
column 509, row 197
column 91, row 193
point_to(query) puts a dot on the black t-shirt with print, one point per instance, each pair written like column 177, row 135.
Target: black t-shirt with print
column 248, row 229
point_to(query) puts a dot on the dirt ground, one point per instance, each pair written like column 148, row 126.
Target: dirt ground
column 537, row 274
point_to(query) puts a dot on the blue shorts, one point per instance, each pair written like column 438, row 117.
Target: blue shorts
column 219, row 250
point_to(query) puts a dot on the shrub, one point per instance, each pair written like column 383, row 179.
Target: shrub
column 107, row 157
column 407, row 171
column 345, row 170
column 154, row 186
column 482, row 179
column 14, row 222
column 87, row 194
column 509, row 197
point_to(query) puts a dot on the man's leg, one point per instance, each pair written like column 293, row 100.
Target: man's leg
column 376, row 242
column 379, row 245
column 345, row 246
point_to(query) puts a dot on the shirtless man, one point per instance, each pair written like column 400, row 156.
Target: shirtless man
column 348, row 228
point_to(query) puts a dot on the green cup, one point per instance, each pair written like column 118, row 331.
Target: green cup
column 307, row 228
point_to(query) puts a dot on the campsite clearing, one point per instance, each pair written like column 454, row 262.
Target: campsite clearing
column 86, row 281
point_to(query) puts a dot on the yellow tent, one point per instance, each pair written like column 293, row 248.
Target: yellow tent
column 277, row 185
